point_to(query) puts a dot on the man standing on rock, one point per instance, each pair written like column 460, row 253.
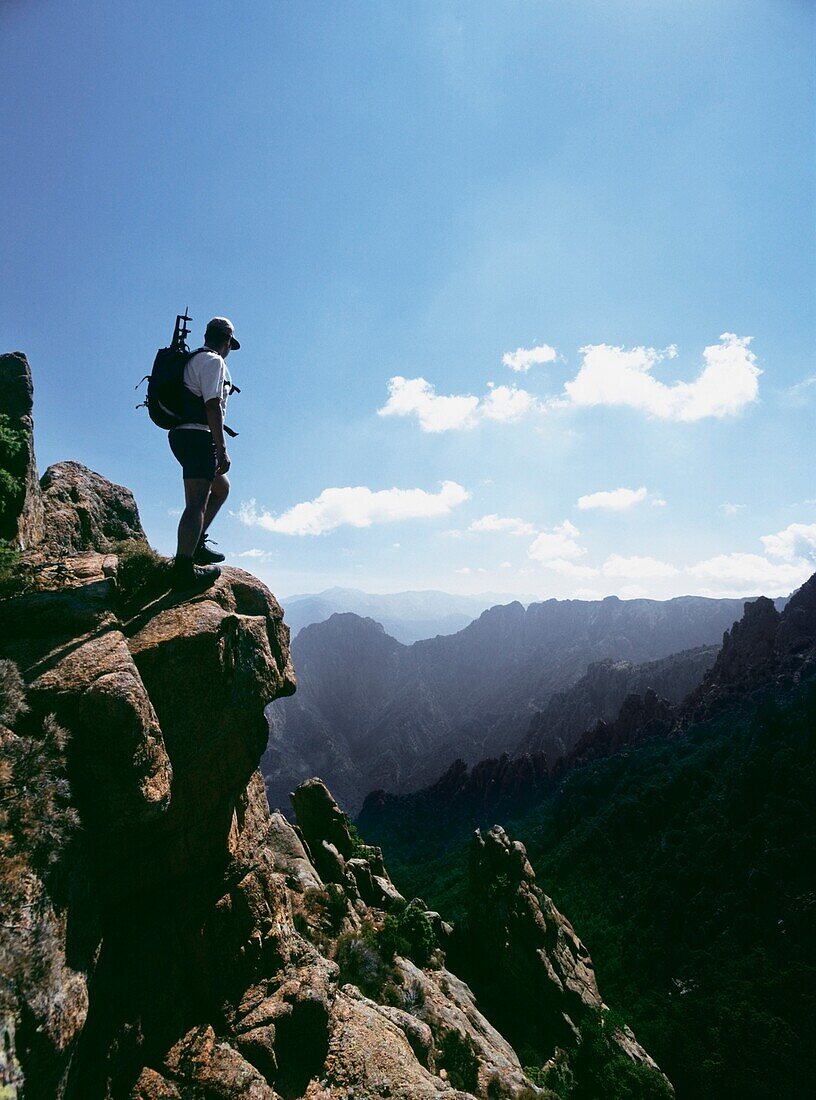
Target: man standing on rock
column 198, row 444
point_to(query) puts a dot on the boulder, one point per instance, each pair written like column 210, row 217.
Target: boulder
column 84, row 511
column 320, row 818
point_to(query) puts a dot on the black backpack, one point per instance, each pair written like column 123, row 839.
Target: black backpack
column 165, row 401
column 166, row 381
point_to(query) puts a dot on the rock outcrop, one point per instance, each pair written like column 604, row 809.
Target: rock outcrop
column 194, row 955
column 21, row 517
column 764, row 648
column 84, row 511
column 69, row 511
column 188, row 941
column 524, row 958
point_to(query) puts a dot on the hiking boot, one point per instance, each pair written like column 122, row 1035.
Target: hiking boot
column 186, row 576
column 204, row 555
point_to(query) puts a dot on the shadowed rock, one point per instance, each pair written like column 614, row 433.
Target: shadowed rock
column 21, row 517
column 525, row 958
column 199, row 963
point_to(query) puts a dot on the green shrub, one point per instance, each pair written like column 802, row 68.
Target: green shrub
column 336, row 906
column 359, row 848
column 408, row 932
column 12, row 693
column 16, row 573
column 557, row 1076
column 37, row 821
column 12, row 485
column 458, row 1059
column 362, row 965
column 141, row 574
column 600, row 1068
column 412, row 997
column 326, row 905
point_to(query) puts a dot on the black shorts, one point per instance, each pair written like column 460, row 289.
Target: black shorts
column 195, row 451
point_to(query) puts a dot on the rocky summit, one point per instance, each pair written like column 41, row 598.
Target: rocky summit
column 165, row 936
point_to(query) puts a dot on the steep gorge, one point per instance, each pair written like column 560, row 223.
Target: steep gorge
column 373, row 713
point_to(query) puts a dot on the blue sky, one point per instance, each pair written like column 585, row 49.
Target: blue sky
column 388, row 199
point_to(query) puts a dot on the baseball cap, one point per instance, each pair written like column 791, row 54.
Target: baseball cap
column 225, row 326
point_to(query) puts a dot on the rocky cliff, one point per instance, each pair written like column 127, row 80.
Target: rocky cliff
column 525, row 960
column 167, row 937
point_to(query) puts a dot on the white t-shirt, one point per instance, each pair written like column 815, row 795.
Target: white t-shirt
column 206, row 376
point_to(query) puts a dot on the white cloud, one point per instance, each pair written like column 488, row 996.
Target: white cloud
column 637, row 568
column 523, row 358
column 356, row 506
column 797, row 540
column 570, row 568
column 502, row 524
column 801, row 393
column 506, row 403
column 505, row 565
column 746, row 574
column 417, row 397
column 732, row 509
column 611, row 375
column 613, row 500
column 251, row 554
column 558, row 543
column 407, row 396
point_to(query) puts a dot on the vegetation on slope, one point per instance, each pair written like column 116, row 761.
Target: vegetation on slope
column 12, row 472
column 686, row 867
column 36, row 823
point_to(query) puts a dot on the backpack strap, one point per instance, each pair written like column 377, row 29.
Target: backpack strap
column 228, row 431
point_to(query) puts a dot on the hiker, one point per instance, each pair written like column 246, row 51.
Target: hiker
column 198, row 444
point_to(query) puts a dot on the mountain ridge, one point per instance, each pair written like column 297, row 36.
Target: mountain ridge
column 408, row 616
column 470, row 695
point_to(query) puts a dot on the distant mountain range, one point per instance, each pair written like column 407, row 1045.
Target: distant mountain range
column 406, row 616
column 373, row 713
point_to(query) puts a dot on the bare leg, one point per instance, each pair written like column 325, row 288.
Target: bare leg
column 219, row 491
column 191, row 524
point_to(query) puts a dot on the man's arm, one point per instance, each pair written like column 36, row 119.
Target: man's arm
column 215, row 418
